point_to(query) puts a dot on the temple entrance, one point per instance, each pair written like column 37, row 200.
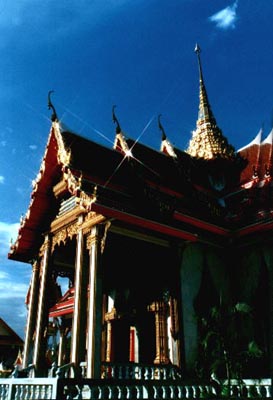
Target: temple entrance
column 135, row 309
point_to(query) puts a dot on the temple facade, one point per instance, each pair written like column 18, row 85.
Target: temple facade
column 151, row 258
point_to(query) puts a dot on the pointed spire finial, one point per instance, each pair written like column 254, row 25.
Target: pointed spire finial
column 115, row 120
column 207, row 141
column 164, row 137
column 197, row 51
column 51, row 107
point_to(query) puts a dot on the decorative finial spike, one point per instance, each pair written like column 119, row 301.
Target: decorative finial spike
column 197, row 49
column 164, row 137
column 51, row 107
column 115, row 120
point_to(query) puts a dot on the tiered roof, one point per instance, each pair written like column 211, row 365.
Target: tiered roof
column 207, row 140
column 260, row 160
column 190, row 195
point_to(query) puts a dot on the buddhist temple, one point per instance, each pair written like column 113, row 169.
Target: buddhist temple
column 158, row 248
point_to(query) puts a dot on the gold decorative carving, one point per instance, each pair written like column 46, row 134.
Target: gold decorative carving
column 111, row 315
column 91, row 219
column 45, row 246
column 61, row 236
column 85, row 201
column 73, row 182
column 90, row 240
column 35, row 266
column 66, row 219
column 63, row 154
column 60, row 188
column 103, row 239
column 99, row 236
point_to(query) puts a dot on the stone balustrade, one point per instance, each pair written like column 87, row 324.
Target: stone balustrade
column 127, row 381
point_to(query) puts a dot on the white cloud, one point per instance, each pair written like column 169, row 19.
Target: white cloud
column 56, row 18
column 3, row 275
column 32, row 146
column 9, row 289
column 2, row 179
column 226, row 18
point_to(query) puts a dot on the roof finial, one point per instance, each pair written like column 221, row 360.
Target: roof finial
column 115, row 120
column 164, row 137
column 50, row 106
column 207, row 140
column 204, row 106
column 197, row 50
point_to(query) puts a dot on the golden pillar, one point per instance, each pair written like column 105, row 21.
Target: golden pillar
column 94, row 331
column 78, row 337
column 162, row 351
column 32, row 314
column 42, row 315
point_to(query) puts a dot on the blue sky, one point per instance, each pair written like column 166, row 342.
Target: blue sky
column 137, row 54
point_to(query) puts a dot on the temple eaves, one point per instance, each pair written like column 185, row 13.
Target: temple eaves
column 207, row 140
column 120, row 143
column 166, row 146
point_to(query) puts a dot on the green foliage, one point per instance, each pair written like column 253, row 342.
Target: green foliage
column 224, row 346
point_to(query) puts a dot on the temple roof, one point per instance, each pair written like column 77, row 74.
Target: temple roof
column 259, row 155
column 207, row 140
column 7, row 335
column 84, row 165
column 169, row 189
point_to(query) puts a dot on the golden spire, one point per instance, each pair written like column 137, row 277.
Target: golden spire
column 207, row 140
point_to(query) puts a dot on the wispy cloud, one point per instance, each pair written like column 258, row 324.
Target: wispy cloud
column 2, row 179
column 225, row 18
column 33, row 14
column 9, row 289
column 33, row 147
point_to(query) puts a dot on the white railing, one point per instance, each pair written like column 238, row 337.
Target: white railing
column 155, row 390
column 28, row 388
column 130, row 381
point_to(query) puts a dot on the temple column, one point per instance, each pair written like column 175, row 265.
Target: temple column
column 40, row 339
column 174, row 332
column 61, row 346
column 190, row 280
column 94, row 331
column 162, row 351
column 109, row 318
column 78, row 336
column 32, row 314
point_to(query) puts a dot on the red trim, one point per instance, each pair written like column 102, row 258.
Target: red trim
column 254, row 228
column 64, row 306
column 165, row 189
column 144, row 223
column 61, row 312
column 201, row 224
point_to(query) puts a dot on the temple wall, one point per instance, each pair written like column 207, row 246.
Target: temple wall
column 210, row 277
column 204, row 281
column 190, row 275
